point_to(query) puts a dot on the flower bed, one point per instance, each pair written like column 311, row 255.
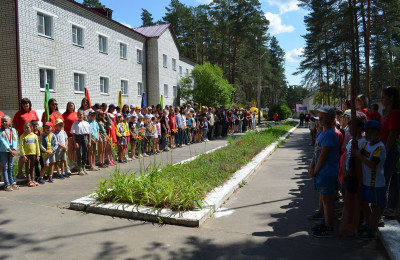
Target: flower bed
column 183, row 187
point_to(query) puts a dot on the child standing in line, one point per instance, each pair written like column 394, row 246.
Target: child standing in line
column 372, row 156
column 37, row 132
column 325, row 169
column 154, row 136
column 158, row 127
column 205, row 129
column 112, row 139
column 61, row 152
column 134, row 133
column 48, row 146
column 30, row 152
column 102, row 139
column 80, row 131
column 127, row 135
column 94, row 134
column 8, row 150
column 121, row 140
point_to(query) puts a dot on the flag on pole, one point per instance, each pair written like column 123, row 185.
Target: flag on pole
column 120, row 99
column 46, row 102
column 162, row 102
column 143, row 104
column 88, row 97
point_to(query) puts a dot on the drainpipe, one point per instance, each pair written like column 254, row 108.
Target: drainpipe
column 18, row 54
column 147, row 70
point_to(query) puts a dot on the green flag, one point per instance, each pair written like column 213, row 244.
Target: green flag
column 162, row 102
column 46, row 102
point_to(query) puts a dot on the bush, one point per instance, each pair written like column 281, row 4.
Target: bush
column 283, row 111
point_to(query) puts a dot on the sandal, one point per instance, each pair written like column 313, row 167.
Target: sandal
column 8, row 188
column 15, row 187
column 31, row 184
column 36, row 183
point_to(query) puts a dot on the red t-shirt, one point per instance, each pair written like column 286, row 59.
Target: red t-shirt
column 172, row 122
column 1, row 114
column 375, row 116
column 389, row 123
column 53, row 117
column 365, row 111
column 275, row 117
column 69, row 119
column 21, row 117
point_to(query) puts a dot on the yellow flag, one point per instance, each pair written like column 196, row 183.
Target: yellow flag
column 120, row 99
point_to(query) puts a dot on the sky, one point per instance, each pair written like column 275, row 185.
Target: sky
column 286, row 23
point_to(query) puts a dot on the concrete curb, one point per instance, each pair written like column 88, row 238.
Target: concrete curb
column 389, row 236
column 192, row 218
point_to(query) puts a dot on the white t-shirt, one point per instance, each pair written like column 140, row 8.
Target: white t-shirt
column 374, row 177
column 61, row 136
column 360, row 141
column 80, row 128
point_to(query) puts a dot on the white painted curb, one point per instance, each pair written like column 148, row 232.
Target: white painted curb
column 192, row 218
column 389, row 236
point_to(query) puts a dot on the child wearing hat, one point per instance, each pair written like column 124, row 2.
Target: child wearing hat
column 48, row 145
column 61, row 151
column 372, row 156
column 325, row 169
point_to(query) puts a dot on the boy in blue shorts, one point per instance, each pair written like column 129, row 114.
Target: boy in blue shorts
column 372, row 156
column 325, row 169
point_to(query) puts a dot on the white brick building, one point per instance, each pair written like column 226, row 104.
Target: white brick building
column 71, row 47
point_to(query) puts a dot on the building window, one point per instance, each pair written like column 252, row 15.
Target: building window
column 47, row 77
column 103, row 42
column 139, row 88
column 77, row 35
column 45, row 24
column 104, row 85
column 187, row 72
column 139, row 55
column 165, row 90
column 123, row 50
column 175, row 91
column 173, row 64
column 180, row 70
column 124, row 87
column 165, row 61
column 79, row 82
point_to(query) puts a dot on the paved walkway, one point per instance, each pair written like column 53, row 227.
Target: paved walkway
column 263, row 220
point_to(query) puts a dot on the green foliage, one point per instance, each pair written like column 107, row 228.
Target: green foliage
column 295, row 95
column 211, row 89
column 185, row 91
column 92, row 3
column 147, row 18
column 184, row 186
column 283, row 111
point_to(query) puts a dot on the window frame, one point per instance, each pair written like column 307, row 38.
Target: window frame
column 105, row 79
column 165, row 60
column 140, row 88
column 51, row 24
column 180, row 71
column 79, row 73
column 126, row 90
column 52, row 86
column 139, row 56
column 173, row 64
column 106, row 41
column 175, row 91
column 121, row 44
column 166, row 88
column 82, row 35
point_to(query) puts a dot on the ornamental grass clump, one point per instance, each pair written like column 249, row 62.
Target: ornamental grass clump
column 183, row 187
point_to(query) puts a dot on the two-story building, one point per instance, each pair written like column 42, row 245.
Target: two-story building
column 69, row 46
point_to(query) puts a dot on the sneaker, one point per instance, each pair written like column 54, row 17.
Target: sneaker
column 65, row 175
column 389, row 213
column 81, row 173
column 367, row 235
column 84, row 171
column 61, row 176
column 51, row 179
column 323, row 232
column 8, row 188
column 128, row 159
column 166, row 150
column 145, row 155
column 67, row 170
column 183, row 145
column 316, row 216
column 318, row 227
column 41, row 181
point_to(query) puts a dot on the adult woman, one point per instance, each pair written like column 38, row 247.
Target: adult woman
column 85, row 107
column 70, row 117
column 53, row 113
column 362, row 104
column 389, row 134
column 25, row 114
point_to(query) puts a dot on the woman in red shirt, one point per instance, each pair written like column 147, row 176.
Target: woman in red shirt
column 25, row 114
column 389, row 134
column 70, row 117
column 53, row 113
column 172, row 127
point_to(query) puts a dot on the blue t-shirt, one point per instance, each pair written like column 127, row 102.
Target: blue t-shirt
column 331, row 165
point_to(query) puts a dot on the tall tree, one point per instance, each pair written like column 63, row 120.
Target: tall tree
column 147, row 18
column 92, row 3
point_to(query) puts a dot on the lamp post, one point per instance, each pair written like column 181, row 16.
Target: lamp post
column 259, row 88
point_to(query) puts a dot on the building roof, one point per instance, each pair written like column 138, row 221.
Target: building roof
column 153, row 31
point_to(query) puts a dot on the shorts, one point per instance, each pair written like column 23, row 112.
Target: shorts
column 60, row 155
column 93, row 145
column 373, row 195
column 326, row 185
column 47, row 159
column 121, row 141
column 132, row 140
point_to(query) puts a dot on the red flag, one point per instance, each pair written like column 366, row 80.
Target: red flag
column 88, row 97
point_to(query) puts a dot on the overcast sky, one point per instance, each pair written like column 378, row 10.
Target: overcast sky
column 286, row 23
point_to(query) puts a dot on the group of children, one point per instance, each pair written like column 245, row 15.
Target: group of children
column 353, row 166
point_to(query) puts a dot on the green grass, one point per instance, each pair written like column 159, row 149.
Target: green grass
column 184, row 186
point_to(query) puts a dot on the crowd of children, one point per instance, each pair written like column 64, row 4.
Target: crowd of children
column 92, row 136
column 356, row 160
